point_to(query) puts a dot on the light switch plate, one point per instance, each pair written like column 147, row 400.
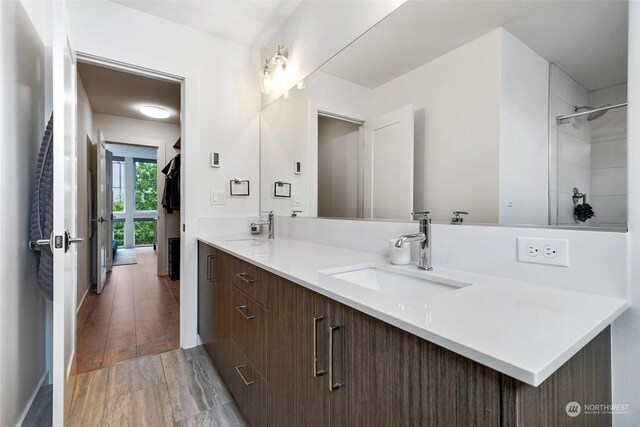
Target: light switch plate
column 543, row 251
column 295, row 200
column 217, row 197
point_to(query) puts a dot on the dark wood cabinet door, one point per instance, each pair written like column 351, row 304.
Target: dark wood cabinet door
column 205, row 289
column 298, row 393
column 221, row 314
column 384, row 376
column 585, row 379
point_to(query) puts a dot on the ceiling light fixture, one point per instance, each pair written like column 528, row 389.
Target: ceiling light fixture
column 155, row 112
column 279, row 78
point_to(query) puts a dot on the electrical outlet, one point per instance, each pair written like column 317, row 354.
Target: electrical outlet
column 550, row 251
column 543, row 251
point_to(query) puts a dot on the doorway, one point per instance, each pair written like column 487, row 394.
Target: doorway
column 133, row 308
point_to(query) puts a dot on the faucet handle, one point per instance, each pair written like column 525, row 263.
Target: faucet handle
column 457, row 218
column 421, row 214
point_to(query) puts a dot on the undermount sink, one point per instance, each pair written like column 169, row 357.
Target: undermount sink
column 249, row 241
column 395, row 281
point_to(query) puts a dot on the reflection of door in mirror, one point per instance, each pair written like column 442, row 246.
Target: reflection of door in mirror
column 356, row 162
column 339, row 168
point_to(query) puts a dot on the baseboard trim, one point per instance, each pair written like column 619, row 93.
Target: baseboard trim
column 25, row 411
column 83, row 298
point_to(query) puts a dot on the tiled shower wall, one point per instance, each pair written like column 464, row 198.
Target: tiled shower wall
column 609, row 159
column 570, row 147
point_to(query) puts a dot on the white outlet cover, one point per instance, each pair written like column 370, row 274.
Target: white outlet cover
column 561, row 246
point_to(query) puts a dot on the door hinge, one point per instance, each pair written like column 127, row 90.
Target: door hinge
column 184, row 228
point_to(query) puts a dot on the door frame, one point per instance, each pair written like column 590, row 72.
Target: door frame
column 317, row 108
column 188, row 217
column 159, row 145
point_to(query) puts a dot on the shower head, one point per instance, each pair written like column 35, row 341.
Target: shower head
column 592, row 116
column 598, row 114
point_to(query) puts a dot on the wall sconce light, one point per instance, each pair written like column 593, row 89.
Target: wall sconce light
column 278, row 80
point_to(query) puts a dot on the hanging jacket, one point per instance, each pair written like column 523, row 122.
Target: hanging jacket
column 42, row 212
column 171, row 194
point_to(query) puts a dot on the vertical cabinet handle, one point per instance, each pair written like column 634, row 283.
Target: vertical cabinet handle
column 332, row 384
column 247, row 383
column 241, row 308
column 316, row 372
column 210, row 269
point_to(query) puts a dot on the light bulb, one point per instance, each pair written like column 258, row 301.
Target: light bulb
column 266, row 80
column 286, row 94
column 301, row 85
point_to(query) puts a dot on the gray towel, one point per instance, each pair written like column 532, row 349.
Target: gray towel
column 42, row 211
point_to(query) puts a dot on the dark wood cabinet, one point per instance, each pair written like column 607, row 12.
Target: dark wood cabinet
column 385, row 376
column 298, row 393
column 293, row 357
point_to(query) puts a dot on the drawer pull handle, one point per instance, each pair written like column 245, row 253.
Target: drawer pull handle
column 332, row 385
column 321, row 372
column 247, row 383
column 246, row 278
column 210, row 268
column 241, row 308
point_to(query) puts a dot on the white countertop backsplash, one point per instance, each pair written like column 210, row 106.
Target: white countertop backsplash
column 521, row 329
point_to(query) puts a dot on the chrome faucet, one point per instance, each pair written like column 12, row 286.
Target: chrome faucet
column 269, row 222
column 423, row 237
column 457, row 219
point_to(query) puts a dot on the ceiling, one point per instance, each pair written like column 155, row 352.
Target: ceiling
column 585, row 39
column 249, row 22
column 122, row 94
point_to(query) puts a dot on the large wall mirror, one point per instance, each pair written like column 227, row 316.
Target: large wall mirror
column 512, row 111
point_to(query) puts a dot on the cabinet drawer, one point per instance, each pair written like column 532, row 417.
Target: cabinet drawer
column 249, row 278
column 250, row 329
column 248, row 388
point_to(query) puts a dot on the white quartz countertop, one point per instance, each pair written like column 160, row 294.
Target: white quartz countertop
column 524, row 330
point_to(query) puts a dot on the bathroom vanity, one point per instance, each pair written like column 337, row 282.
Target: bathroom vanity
column 300, row 345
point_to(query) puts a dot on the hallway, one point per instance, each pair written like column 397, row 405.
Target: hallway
column 138, row 314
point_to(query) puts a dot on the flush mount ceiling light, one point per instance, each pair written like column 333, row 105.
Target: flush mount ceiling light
column 155, row 112
column 278, row 79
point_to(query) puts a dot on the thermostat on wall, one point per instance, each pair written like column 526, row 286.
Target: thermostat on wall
column 297, row 167
column 215, row 160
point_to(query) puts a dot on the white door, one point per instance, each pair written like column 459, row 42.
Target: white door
column 103, row 214
column 109, row 210
column 388, row 165
column 65, row 211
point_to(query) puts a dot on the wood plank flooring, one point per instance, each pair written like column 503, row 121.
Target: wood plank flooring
column 178, row 388
column 137, row 314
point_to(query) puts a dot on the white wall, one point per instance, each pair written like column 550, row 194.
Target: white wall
column 23, row 118
column 317, row 30
column 625, row 337
column 456, row 102
column 608, row 136
column 221, row 104
column 85, row 137
column 570, row 149
column 289, row 132
column 524, row 143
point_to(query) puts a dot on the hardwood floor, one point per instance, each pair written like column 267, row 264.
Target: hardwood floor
column 178, row 388
column 137, row 314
